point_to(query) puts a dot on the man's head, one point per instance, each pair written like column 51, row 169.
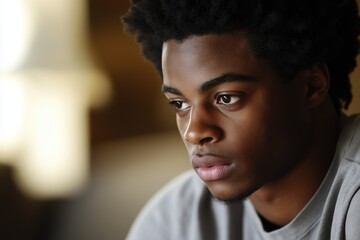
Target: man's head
column 247, row 79
column 292, row 34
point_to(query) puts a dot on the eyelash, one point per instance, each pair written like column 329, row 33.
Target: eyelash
column 232, row 98
column 176, row 102
column 220, row 100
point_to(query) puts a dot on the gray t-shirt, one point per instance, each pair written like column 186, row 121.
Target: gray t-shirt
column 185, row 210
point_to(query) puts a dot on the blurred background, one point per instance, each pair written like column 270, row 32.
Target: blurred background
column 85, row 135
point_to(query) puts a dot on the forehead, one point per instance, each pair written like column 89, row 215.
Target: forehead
column 201, row 58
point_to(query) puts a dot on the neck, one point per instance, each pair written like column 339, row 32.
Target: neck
column 279, row 202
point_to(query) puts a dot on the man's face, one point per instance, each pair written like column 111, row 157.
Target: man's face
column 242, row 124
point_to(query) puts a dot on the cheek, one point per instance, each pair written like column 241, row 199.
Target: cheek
column 248, row 138
column 253, row 137
column 181, row 125
column 266, row 141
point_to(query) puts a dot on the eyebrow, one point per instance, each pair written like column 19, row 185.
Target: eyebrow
column 228, row 77
column 168, row 89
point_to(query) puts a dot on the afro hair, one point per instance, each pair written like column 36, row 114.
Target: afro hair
column 293, row 34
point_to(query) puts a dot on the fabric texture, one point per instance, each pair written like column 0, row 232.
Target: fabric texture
column 185, row 210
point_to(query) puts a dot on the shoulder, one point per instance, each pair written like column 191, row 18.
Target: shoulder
column 171, row 206
column 348, row 172
column 350, row 138
column 347, row 157
column 349, row 194
column 352, row 230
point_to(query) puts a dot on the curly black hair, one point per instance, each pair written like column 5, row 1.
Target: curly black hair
column 293, row 34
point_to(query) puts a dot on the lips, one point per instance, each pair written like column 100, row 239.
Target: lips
column 211, row 167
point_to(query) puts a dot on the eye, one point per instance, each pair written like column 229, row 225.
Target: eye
column 227, row 99
column 179, row 105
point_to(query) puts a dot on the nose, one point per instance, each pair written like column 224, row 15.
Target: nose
column 202, row 128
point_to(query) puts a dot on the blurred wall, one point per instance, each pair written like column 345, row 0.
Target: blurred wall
column 137, row 87
column 355, row 80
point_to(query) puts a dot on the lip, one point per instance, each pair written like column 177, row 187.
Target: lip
column 211, row 167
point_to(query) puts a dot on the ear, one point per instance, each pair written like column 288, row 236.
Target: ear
column 318, row 84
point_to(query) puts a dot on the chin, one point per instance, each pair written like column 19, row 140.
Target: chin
column 229, row 194
column 229, row 198
column 231, row 201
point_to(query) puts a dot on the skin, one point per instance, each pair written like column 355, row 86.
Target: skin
column 273, row 136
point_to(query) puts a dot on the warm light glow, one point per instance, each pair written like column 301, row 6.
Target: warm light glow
column 48, row 83
column 11, row 116
column 16, row 28
column 55, row 154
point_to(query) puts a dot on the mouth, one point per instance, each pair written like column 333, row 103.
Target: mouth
column 211, row 167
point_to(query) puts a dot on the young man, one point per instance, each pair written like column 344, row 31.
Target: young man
column 258, row 88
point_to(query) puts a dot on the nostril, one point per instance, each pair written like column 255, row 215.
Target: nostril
column 206, row 140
